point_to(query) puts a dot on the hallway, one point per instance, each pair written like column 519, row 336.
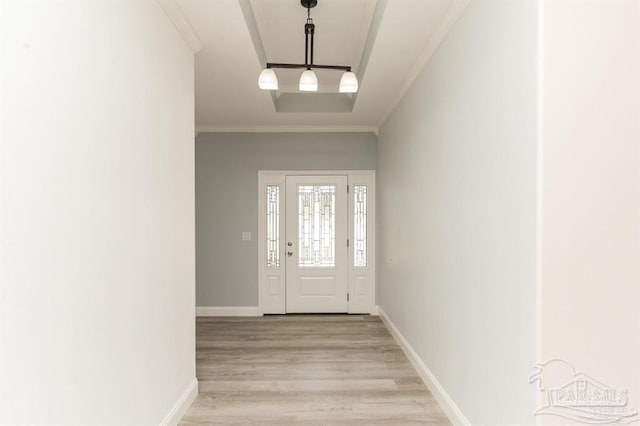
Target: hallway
column 306, row 369
column 460, row 177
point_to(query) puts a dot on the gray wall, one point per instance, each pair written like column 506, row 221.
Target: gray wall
column 457, row 204
column 227, row 167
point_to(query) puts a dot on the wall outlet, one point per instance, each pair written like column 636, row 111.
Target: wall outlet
column 246, row 236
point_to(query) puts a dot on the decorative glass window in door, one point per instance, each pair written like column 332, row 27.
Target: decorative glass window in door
column 273, row 226
column 317, row 226
column 360, row 226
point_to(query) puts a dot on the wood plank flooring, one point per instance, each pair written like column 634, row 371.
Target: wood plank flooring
column 306, row 370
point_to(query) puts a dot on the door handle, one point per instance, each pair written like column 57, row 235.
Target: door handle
column 289, row 253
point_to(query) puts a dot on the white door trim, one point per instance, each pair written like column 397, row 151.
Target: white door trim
column 362, row 281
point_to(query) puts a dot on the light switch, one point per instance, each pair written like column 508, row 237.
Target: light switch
column 246, row 236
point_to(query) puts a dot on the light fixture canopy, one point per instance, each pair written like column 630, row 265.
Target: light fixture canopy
column 348, row 83
column 268, row 80
column 308, row 80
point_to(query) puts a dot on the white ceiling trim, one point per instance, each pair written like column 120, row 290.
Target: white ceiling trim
column 286, row 129
column 447, row 23
column 375, row 20
column 365, row 25
column 175, row 14
column 261, row 25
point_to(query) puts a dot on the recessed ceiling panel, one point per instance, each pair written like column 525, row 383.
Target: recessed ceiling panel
column 228, row 65
column 277, row 28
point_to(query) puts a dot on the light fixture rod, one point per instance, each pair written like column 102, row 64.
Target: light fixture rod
column 309, row 66
column 313, row 31
column 306, row 50
column 309, row 30
column 306, row 45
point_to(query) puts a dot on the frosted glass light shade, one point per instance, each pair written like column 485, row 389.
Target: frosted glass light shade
column 308, row 81
column 268, row 80
column 348, row 83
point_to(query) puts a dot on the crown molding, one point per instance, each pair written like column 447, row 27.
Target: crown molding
column 447, row 23
column 286, row 129
column 175, row 14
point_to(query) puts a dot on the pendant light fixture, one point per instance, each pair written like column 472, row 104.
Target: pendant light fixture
column 268, row 80
column 308, row 80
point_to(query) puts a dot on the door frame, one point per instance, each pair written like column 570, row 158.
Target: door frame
column 361, row 280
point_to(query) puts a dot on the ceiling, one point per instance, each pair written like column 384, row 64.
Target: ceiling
column 386, row 42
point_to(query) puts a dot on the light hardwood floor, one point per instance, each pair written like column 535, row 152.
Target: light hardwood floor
column 306, row 370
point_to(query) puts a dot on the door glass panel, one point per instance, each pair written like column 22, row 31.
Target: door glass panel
column 273, row 226
column 316, row 226
column 360, row 226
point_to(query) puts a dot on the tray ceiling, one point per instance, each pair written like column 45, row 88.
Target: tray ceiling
column 387, row 42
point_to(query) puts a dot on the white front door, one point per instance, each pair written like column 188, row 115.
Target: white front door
column 316, row 244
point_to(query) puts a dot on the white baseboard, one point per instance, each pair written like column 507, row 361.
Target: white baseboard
column 182, row 405
column 445, row 401
column 228, row 311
